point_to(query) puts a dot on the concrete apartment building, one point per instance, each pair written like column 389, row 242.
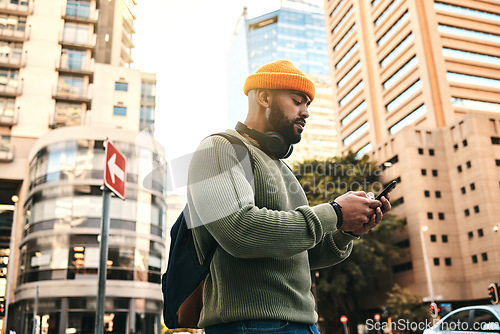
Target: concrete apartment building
column 65, row 86
column 294, row 32
column 416, row 86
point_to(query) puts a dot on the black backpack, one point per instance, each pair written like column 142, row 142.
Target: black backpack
column 182, row 283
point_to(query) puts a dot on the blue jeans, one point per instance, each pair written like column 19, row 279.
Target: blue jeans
column 262, row 327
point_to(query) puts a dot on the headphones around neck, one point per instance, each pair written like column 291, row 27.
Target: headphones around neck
column 270, row 142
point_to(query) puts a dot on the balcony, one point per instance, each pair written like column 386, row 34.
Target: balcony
column 64, row 93
column 11, row 88
column 23, row 8
column 128, row 25
column 9, row 117
column 126, row 55
column 6, row 149
column 12, row 61
column 80, row 14
column 19, row 33
column 60, row 118
column 79, row 44
column 127, row 40
column 75, row 65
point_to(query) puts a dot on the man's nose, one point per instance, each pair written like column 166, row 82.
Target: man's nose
column 304, row 112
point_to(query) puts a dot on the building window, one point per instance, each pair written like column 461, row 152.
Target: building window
column 349, row 74
column 397, row 50
column 405, row 95
column 444, row 238
column 402, row 267
column 410, row 118
column 423, row 171
column 342, row 20
column 497, row 162
column 480, row 232
column 470, row 234
column 434, row 172
column 430, row 215
column 76, row 33
column 441, row 215
column 466, row 55
column 468, row 163
column 438, row 194
column 121, row 86
column 447, row 261
column 354, row 113
column 395, row 27
column 495, row 140
column 436, row 261
column 466, row 11
column 398, row 202
column 467, row 212
column 364, row 150
column 476, row 208
column 386, row 12
column 421, row 151
column 474, row 258
column 344, row 38
column 473, row 79
column 400, row 73
column 464, row 142
column 433, row 238
column 455, row 147
column 119, row 111
column 459, row 168
column 468, row 33
column 356, row 133
column 431, row 152
column 484, row 257
column 427, row 193
column 352, row 93
column 347, row 56
column 78, row 8
column 472, row 186
column 336, row 9
column 462, row 190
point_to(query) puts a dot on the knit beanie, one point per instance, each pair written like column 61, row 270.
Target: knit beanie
column 280, row 74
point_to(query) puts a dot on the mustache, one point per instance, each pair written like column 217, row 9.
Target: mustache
column 300, row 119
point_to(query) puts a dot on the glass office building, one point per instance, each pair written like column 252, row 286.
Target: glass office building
column 59, row 250
column 295, row 32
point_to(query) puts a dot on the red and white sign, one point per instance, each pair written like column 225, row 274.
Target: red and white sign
column 114, row 172
column 343, row 319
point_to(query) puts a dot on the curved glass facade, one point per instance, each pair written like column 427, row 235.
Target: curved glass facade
column 60, row 246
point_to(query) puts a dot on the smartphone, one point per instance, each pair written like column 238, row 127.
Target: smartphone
column 387, row 190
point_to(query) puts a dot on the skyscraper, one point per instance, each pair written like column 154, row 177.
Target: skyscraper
column 416, row 86
column 67, row 86
column 294, row 32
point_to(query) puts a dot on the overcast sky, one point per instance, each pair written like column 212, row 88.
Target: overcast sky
column 185, row 44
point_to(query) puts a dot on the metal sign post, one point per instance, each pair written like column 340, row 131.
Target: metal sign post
column 114, row 181
column 103, row 259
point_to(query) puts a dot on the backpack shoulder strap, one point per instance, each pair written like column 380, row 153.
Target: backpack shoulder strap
column 242, row 152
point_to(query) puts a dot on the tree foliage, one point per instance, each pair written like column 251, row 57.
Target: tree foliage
column 339, row 288
column 403, row 305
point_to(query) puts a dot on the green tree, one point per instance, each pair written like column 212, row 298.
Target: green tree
column 404, row 306
column 339, row 288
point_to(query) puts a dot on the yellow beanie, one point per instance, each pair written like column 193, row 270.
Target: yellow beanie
column 280, row 74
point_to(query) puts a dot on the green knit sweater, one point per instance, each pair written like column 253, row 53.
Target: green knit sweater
column 269, row 238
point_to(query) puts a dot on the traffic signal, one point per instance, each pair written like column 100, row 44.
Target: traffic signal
column 434, row 310
column 2, row 308
column 493, row 293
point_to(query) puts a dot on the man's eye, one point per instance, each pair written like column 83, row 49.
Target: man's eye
column 297, row 102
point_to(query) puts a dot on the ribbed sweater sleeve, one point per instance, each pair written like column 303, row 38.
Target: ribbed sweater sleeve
column 223, row 201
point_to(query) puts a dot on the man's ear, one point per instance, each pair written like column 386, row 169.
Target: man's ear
column 264, row 98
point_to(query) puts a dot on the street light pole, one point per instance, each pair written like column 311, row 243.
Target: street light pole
column 426, row 264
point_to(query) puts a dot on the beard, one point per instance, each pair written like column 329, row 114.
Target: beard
column 282, row 125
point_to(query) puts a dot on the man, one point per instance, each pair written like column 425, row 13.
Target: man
column 269, row 238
